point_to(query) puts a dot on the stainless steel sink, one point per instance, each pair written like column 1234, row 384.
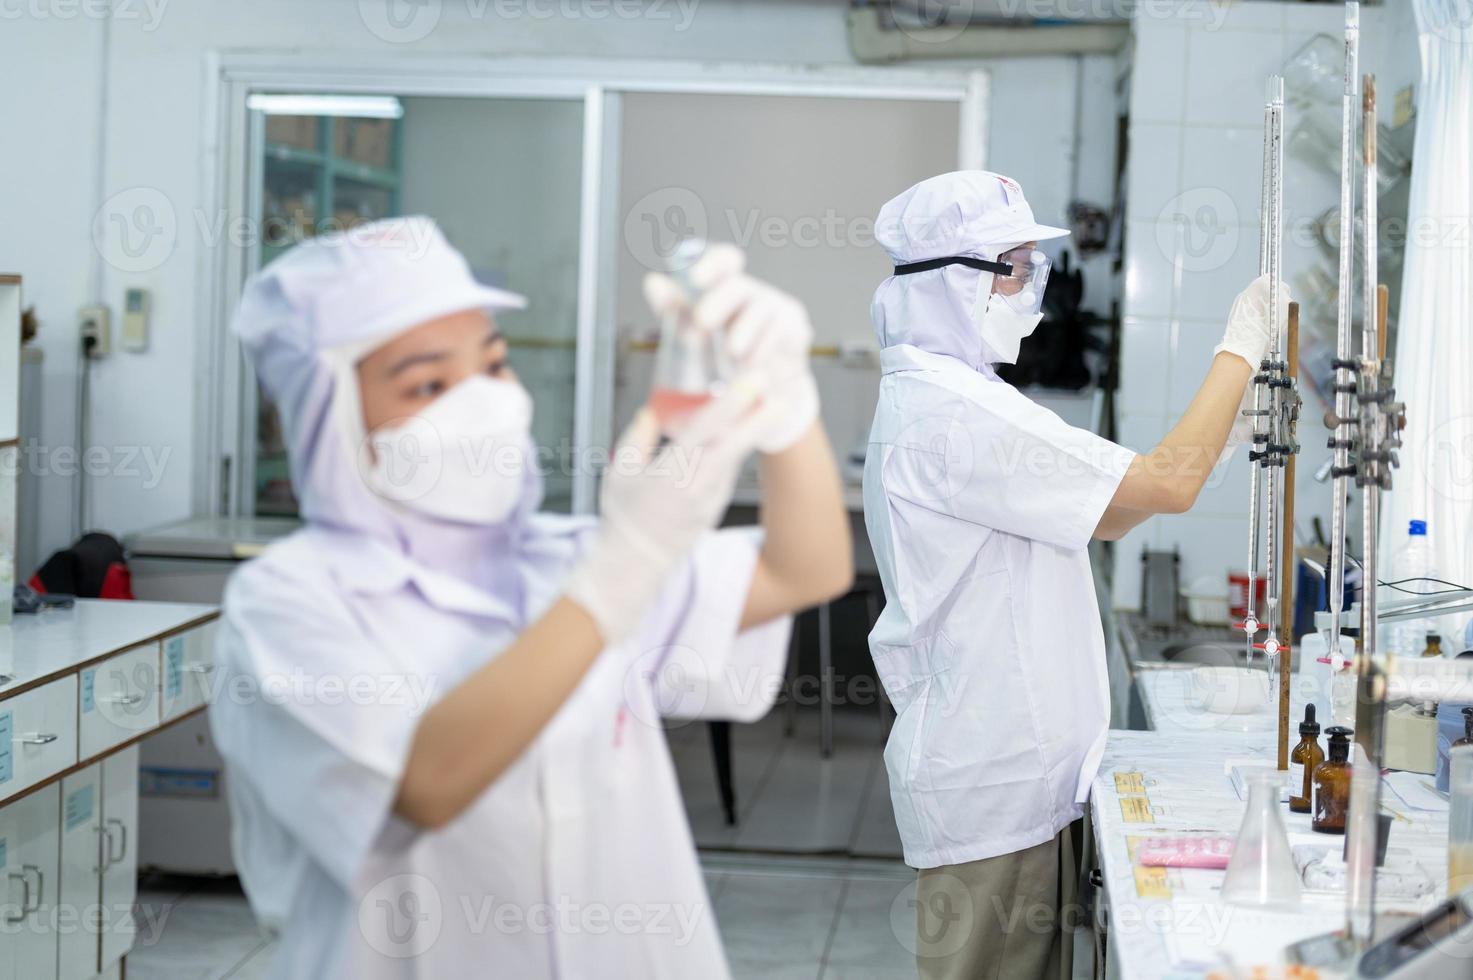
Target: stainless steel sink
column 1213, row 654
column 1198, row 652
column 1186, row 646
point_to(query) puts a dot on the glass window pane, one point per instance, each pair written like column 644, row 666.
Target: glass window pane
column 501, row 177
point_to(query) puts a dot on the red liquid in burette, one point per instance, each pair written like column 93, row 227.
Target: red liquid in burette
column 670, row 405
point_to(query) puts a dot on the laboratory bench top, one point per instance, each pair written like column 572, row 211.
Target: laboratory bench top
column 37, row 648
column 1171, row 923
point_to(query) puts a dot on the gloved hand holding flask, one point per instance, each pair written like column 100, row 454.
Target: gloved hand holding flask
column 721, row 323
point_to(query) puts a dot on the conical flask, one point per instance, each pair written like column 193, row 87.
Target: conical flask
column 1262, row 870
column 690, row 365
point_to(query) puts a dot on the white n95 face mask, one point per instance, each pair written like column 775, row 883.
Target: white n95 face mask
column 464, row 458
column 1003, row 327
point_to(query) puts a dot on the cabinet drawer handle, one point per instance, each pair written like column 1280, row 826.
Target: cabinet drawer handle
column 36, row 738
column 27, row 905
column 123, row 851
column 200, row 668
column 40, row 884
column 120, row 699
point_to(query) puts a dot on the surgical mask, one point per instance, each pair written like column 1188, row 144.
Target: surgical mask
column 1003, row 327
column 464, row 458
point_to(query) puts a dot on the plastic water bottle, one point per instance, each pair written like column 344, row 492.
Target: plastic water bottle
column 1413, row 560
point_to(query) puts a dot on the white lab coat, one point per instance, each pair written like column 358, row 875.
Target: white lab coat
column 577, row 862
column 980, row 505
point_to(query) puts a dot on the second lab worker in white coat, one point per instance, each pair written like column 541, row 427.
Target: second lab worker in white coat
column 980, row 505
column 440, row 711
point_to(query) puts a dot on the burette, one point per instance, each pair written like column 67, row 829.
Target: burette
column 1270, row 400
column 1345, row 364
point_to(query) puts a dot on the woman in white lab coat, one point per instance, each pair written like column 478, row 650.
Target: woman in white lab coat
column 441, row 712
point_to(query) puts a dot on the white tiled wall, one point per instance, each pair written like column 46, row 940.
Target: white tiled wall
column 1198, row 80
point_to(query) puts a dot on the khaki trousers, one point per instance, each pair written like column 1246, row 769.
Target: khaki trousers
column 1010, row 917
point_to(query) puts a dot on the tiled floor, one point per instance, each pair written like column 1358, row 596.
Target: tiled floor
column 789, row 798
column 808, row 884
column 780, row 917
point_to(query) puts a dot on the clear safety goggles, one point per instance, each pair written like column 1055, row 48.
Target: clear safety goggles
column 1019, row 275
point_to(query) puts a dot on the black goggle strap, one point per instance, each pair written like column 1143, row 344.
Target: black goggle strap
column 1000, row 268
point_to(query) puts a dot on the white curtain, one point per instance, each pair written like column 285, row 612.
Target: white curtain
column 1434, row 347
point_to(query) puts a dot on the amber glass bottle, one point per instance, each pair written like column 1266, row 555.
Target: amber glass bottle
column 1307, row 755
column 1433, row 647
column 1332, row 784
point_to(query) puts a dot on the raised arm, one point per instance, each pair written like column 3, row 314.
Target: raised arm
column 806, row 551
column 653, row 510
column 1168, row 479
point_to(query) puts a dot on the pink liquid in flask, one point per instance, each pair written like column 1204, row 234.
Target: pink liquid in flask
column 671, row 406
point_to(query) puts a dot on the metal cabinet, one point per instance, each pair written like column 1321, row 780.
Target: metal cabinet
column 81, row 861
column 119, row 869
column 38, row 735
column 30, row 861
column 118, row 699
column 188, row 667
column 99, row 864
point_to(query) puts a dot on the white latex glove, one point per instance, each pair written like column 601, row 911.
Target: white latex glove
column 1247, row 333
column 656, row 500
column 767, row 338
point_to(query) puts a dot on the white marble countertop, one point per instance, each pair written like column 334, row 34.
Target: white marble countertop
column 36, row 648
column 1178, row 699
column 1171, row 923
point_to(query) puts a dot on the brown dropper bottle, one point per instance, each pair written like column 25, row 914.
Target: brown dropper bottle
column 1332, row 784
column 1307, row 755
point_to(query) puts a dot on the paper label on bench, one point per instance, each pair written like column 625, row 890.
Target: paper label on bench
column 7, row 742
column 1129, row 783
column 173, row 666
column 89, row 677
column 79, row 807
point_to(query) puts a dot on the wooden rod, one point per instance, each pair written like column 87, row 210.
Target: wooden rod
column 1286, row 588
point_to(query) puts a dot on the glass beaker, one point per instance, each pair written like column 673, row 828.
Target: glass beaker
column 1261, row 871
column 1460, row 820
column 690, row 365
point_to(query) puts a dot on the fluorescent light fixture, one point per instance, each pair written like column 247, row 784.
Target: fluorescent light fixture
column 366, row 106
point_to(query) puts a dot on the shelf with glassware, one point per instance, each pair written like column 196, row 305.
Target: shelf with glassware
column 320, row 174
column 324, row 173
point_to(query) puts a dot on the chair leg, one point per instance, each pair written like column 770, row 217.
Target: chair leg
column 721, row 754
column 790, row 683
column 826, row 681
